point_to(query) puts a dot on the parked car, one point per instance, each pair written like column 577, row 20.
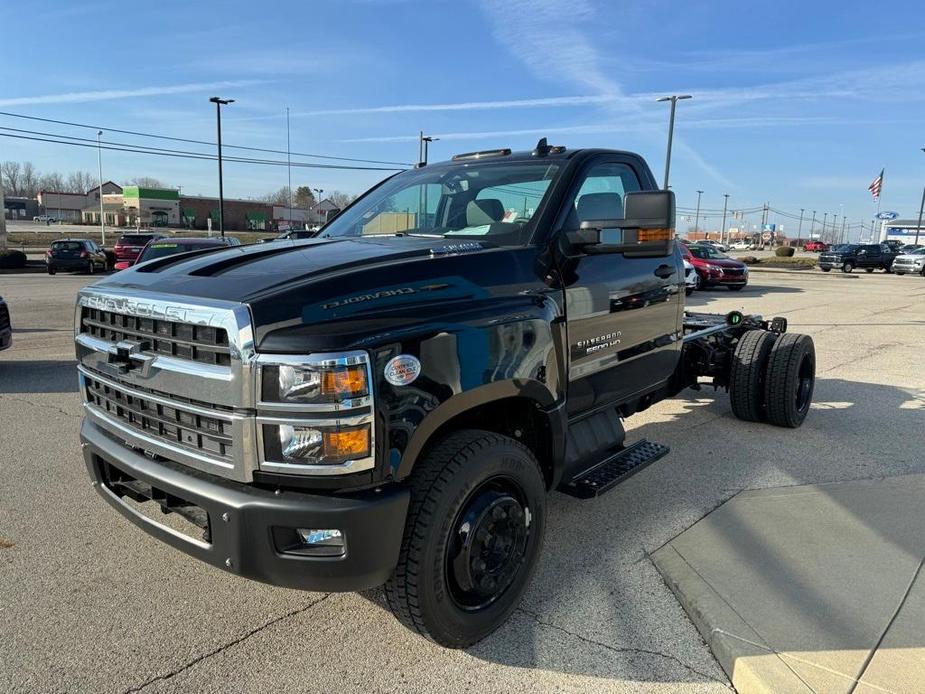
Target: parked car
column 910, row 248
column 741, row 245
column 910, row 263
column 44, row 219
column 716, row 244
column 715, row 268
column 847, row 256
column 75, row 254
column 815, row 247
column 6, row 326
column 160, row 248
column 129, row 246
column 690, row 277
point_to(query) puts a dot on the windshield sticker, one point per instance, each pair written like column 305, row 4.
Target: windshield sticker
column 402, row 370
column 473, row 231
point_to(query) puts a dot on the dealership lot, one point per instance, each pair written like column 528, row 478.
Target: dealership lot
column 90, row 603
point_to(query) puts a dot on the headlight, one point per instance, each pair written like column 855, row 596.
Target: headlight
column 714, row 268
column 306, row 443
column 316, row 379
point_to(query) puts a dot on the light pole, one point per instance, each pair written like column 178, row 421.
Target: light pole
column 841, row 237
column 674, row 98
column 99, row 161
column 423, row 141
column 697, row 216
column 800, row 228
column 289, row 167
column 318, row 200
column 221, row 193
column 825, row 217
column 812, row 224
column 722, row 230
column 834, row 226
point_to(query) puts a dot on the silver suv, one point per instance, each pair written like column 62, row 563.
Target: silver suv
column 911, row 263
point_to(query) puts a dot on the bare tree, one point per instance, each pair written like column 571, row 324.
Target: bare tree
column 80, row 181
column 11, row 178
column 29, row 185
column 145, row 182
column 279, row 197
column 341, row 199
column 53, row 182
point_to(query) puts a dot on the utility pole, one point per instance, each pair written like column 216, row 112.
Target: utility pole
column 99, row 161
column 289, row 167
column 918, row 226
column 834, row 226
column 3, row 236
column 800, row 228
column 812, row 225
column 674, row 99
column 841, row 238
column 722, row 231
column 697, row 217
column 824, row 218
column 221, row 193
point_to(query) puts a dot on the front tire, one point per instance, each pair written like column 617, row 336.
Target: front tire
column 790, row 380
column 472, row 539
column 847, row 268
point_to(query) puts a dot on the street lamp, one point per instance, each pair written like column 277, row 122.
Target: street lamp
column 812, row 224
column 697, row 217
column 722, row 229
column 674, row 98
column 221, row 193
column 423, row 141
column 99, row 161
column 317, row 201
column 800, row 228
column 825, row 217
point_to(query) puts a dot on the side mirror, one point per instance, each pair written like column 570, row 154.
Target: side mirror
column 647, row 227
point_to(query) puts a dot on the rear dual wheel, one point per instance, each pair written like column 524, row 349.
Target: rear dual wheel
column 772, row 378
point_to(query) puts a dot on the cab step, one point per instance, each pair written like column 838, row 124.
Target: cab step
column 613, row 469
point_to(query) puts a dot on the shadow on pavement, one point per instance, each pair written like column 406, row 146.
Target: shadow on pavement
column 38, row 376
column 593, row 588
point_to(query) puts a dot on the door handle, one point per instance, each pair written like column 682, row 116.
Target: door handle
column 664, row 271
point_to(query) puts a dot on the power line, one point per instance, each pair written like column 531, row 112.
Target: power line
column 179, row 154
column 199, row 142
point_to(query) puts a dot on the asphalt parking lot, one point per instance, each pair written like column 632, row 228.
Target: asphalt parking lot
column 90, row 603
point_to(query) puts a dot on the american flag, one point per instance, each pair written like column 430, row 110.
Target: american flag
column 876, row 185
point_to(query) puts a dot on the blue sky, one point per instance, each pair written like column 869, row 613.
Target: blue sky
column 800, row 104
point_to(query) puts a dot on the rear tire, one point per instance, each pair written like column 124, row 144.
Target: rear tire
column 472, row 539
column 790, row 380
column 749, row 368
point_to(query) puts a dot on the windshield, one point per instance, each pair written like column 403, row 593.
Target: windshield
column 707, row 253
column 159, row 250
column 135, row 239
column 845, row 248
column 494, row 201
column 67, row 246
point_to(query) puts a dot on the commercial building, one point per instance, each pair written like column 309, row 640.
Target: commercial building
column 65, row 207
column 134, row 206
column 323, row 212
column 902, row 230
column 240, row 215
column 20, row 208
column 298, row 216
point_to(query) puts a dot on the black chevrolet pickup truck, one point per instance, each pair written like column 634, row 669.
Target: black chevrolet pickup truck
column 391, row 401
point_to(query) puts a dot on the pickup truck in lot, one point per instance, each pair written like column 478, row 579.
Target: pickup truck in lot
column 380, row 406
column 847, row 256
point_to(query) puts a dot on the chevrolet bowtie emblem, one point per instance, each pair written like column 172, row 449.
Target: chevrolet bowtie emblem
column 127, row 355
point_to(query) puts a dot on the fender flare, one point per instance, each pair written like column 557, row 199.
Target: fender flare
column 469, row 400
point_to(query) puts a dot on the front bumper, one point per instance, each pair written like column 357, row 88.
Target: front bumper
column 907, row 268
column 724, row 280
column 241, row 519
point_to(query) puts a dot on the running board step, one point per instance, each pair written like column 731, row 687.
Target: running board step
column 614, row 469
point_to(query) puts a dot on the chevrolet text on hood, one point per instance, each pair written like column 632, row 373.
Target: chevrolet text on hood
column 391, row 401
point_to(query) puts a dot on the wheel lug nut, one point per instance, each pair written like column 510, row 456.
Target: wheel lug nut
column 498, row 513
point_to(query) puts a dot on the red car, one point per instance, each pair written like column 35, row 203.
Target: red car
column 715, row 268
column 815, row 247
column 129, row 246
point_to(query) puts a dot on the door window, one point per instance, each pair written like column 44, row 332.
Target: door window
column 600, row 194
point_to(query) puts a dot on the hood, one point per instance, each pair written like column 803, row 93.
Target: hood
column 343, row 291
column 910, row 257
column 724, row 262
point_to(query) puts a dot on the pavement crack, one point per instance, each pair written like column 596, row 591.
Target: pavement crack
column 623, row 649
column 41, row 406
column 234, row 642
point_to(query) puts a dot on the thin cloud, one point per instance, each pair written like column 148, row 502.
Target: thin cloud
column 543, row 102
column 115, row 94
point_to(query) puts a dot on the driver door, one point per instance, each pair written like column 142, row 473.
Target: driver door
column 623, row 314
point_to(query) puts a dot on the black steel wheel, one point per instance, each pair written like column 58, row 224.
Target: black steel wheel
column 746, row 379
column 472, row 539
column 790, row 380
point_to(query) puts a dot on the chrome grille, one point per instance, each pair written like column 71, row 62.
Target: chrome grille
column 170, row 422
column 200, row 343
